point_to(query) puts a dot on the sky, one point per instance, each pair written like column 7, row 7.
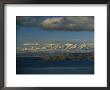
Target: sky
column 30, row 29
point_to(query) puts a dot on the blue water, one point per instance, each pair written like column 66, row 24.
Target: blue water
column 32, row 66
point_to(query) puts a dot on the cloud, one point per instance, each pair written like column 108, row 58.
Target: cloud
column 82, row 22
column 68, row 23
column 27, row 21
column 53, row 20
column 53, row 23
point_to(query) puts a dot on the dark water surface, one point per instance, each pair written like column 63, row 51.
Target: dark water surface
column 29, row 65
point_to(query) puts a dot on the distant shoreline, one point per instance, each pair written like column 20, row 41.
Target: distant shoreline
column 59, row 57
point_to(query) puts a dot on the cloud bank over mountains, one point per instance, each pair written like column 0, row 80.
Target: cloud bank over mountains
column 67, row 23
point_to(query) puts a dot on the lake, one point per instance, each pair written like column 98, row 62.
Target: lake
column 26, row 65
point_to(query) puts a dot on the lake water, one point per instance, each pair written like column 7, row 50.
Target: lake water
column 33, row 66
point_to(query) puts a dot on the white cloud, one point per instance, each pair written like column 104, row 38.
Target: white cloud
column 69, row 23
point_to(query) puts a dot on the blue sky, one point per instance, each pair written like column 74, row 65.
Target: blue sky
column 33, row 29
